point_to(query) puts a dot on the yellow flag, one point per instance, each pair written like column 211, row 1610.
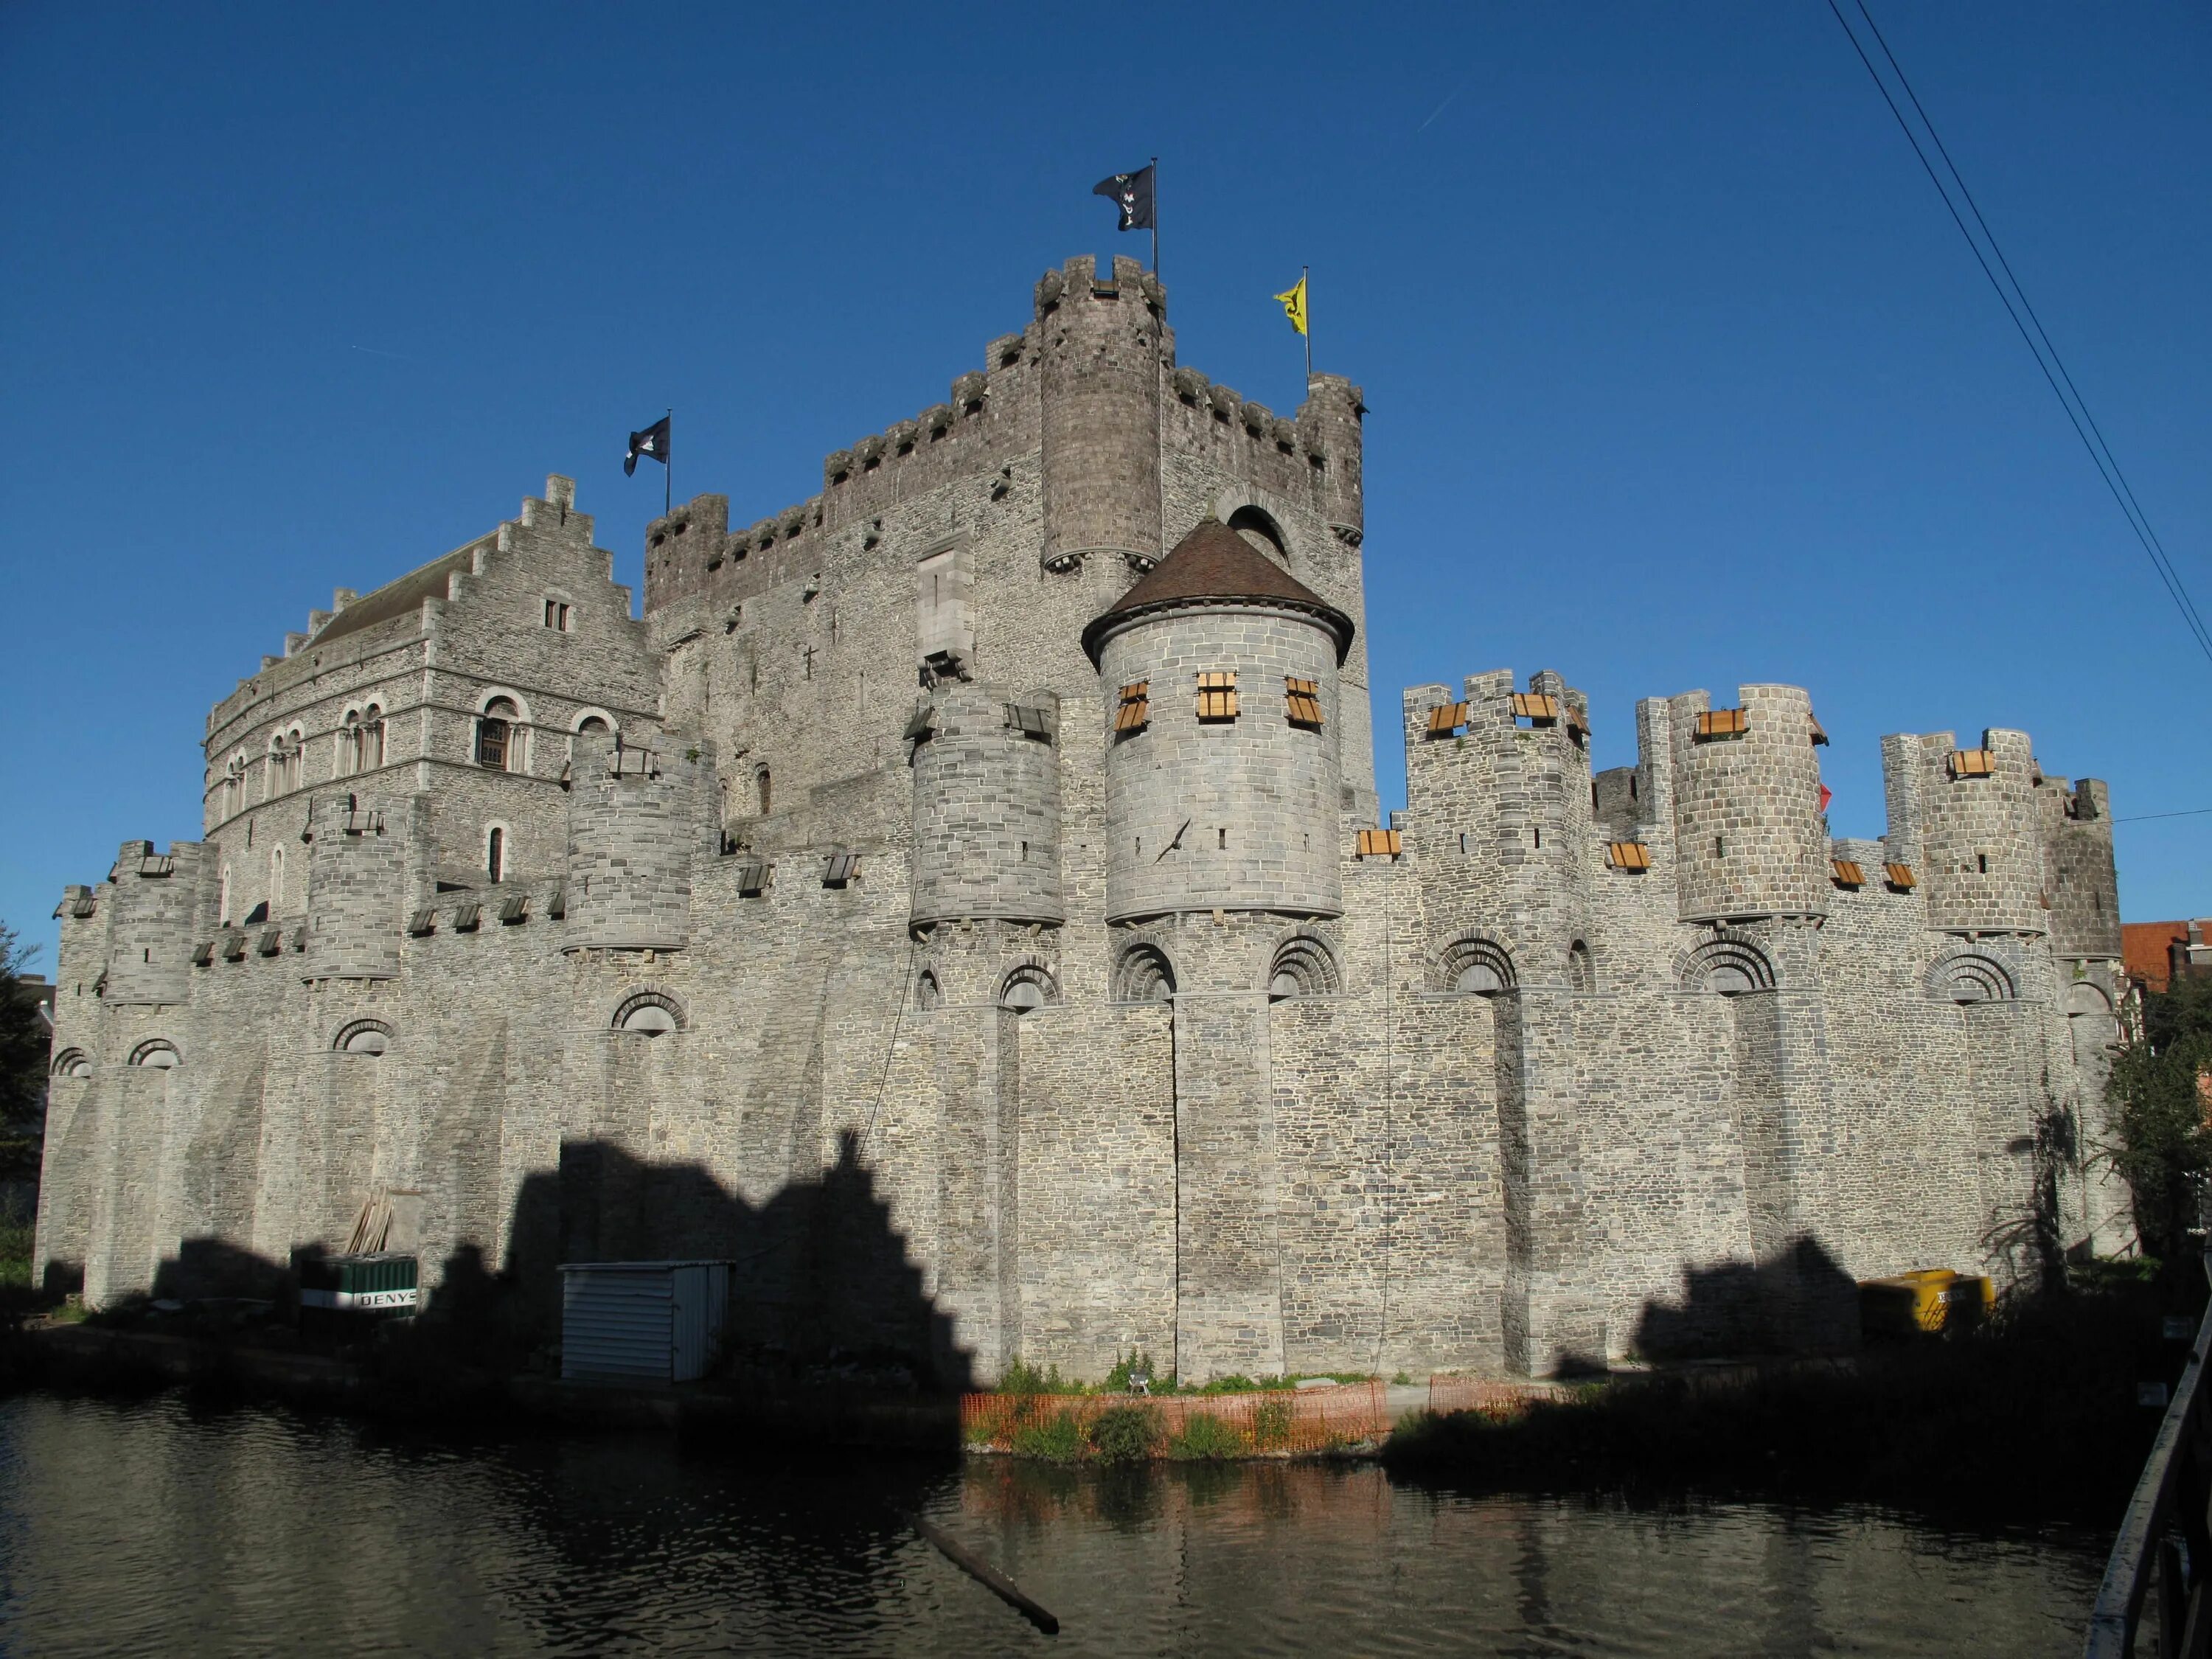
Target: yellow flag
column 1294, row 305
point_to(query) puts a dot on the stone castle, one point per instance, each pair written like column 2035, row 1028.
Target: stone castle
column 962, row 901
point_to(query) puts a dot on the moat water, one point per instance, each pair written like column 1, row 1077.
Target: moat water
column 153, row 1528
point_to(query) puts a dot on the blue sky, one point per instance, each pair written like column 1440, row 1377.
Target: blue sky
column 1680, row 375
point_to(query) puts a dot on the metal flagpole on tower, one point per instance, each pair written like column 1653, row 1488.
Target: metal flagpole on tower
column 1156, row 218
column 668, row 461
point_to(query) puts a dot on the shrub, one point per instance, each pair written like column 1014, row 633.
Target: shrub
column 1270, row 1424
column 1055, row 1439
column 1205, row 1438
column 1025, row 1379
column 1135, row 1362
column 1126, row 1434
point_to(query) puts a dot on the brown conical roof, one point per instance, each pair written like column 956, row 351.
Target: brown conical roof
column 1214, row 565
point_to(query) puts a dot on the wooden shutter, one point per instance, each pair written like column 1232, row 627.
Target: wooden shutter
column 1135, row 711
column 1847, row 874
column 1217, row 694
column 1973, row 763
column 1900, row 877
column 1302, row 702
column 1381, row 843
column 1534, row 706
column 1446, row 718
column 1723, row 723
column 1632, row 855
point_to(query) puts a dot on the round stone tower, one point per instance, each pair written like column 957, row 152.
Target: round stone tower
column 633, row 824
column 1980, row 835
column 986, row 805
column 1220, row 683
column 1748, row 835
column 1099, row 368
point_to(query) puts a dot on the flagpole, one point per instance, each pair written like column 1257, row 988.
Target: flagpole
column 1156, row 218
column 668, row 462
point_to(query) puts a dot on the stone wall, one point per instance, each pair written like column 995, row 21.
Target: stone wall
column 1029, row 1077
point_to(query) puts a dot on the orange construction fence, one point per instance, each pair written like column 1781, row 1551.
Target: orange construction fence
column 1286, row 1419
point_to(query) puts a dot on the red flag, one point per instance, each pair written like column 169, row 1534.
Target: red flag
column 1826, row 795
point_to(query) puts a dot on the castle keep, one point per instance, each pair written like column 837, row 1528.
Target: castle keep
column 961, row 900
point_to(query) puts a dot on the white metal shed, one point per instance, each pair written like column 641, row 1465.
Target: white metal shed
column 641, row 1322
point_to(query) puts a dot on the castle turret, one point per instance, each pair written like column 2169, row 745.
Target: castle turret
column 633, row 826
column 1100, row 369
column 1330, row 424
column 1498, row 820
column 1749, row 838
column 2078, row 865
column 986, row 805
column 1981, row 847
column 149, row 941
column 1219, row 674
column 356, row 887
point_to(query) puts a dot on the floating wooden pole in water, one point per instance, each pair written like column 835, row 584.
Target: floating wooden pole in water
column 988, row 1576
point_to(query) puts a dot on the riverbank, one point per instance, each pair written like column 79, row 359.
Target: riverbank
column 86, row 1358
column 2040, row 1416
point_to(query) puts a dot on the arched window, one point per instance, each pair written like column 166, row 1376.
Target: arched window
column 1582, row 974
column 1144, row 974
column 369, row 739
column 648, row 1014
column 1970, row 978
column 592, row 723
column 1726, row 967
column 1302, row 968
column 1477, row 965
column 1028, row 986
column 364, row 1036
column 233, row 786
column 761, row 781
column 1260, row 532
column 926, row 995
column 496, row 734
column 72, row 1062
column 159, row 1054
column 496, row 852
column 276, row 881
column 222, row 899
column 349, row 744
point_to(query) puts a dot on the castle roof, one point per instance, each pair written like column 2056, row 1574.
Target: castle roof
column 1212, row 565
column 398, row 598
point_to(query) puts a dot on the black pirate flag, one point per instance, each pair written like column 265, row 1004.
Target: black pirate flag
column 653, row 441
column 1132, row 193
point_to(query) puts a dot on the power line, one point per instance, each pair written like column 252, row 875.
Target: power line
column 2099, row 453
column 2188, row 813
column 2137, row 517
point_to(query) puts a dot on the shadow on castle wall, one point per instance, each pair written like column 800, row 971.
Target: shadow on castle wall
column 822, row 1278
column 1799, row 1302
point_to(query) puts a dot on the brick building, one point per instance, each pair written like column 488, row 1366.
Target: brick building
column 961, row 899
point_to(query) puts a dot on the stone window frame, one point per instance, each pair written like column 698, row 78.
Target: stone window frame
column 1582, row 967
column 633, row 1007
column 928, row 991
column 71, row 1063
column 1727, row 965
column 1971, row 974
column 498, row 867
column 557, row 614
column 1472, row 956
column 1029, row 985
column 1305, row 960
column 357, row 1032
column 520, row 729
column 1143, row 972
column 1252, row 517
column 150, row 1054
